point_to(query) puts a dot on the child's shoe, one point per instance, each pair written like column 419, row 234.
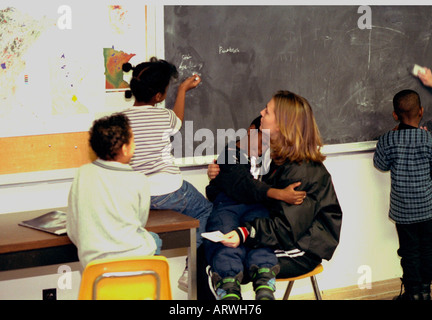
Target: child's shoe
column 425, row 291
column 264, row 282
column 227, row 288
column 410, row 292
column 183, row 281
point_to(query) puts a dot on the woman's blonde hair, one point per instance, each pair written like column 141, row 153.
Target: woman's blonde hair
column 299, row 138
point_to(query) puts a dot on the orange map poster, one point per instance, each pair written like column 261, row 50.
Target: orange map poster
column 113, row 60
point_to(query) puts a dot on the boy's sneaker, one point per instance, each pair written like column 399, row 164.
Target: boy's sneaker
column 264, row 282
column 183, row 281
column 410, row 292
column 426, row 291
column 264, row 293
column 227, row 288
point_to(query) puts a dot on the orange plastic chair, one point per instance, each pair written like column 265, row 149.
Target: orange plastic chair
column 310, row 275
column 131, row 278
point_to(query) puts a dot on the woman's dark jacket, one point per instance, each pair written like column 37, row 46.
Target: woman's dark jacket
column 314, row 226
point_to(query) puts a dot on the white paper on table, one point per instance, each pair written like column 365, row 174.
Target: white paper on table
column 215, row 236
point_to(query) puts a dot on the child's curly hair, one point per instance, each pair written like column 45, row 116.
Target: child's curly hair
column 109, row 134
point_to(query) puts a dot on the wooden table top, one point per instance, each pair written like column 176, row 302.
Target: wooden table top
column 14, row 238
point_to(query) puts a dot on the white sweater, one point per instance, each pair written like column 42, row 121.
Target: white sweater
column 107, row 212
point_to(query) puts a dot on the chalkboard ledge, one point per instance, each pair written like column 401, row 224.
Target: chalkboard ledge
column 353, row 147
column 188, row 163
column 328, row 150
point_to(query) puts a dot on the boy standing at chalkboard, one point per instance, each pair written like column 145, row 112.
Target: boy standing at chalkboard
column 153, row 126
column 108, row 201
column 407, row 153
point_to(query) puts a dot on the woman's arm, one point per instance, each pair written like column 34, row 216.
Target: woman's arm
column 239, row 184
column 314, row 225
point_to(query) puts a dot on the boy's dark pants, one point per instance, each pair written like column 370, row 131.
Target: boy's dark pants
column 228, row 215
column 415, row 250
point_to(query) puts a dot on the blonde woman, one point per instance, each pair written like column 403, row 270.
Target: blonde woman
column 301, row 235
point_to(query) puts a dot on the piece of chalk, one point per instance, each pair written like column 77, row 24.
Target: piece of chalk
column 416, row 69
column 196, row 78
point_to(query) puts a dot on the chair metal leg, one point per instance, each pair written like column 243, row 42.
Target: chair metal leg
column 288, row 290
column 315, row 288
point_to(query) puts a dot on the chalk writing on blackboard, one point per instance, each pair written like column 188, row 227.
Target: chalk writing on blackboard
column 348, row 67
column 188, row 66
column 223, row 50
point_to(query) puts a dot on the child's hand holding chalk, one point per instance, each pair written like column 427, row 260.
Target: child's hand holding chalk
column 197, row 78
column 191, row 82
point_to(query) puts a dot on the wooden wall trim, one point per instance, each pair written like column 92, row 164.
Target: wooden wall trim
column 44, row 152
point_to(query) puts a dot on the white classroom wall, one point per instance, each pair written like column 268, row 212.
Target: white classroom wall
column 367, row 250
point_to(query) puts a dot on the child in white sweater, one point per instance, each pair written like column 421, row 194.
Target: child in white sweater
column 108, row 201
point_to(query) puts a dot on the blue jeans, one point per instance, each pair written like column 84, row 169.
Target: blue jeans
column 228, row 215
column 158, row 241
column 187, row 200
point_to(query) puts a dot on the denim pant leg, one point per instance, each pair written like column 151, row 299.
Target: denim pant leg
column 187, row 200
column 261, row 257
column 158, row 241
column 225, row 217
column 225, row 261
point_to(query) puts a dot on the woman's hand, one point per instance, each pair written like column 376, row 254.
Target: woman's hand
column 231, row 239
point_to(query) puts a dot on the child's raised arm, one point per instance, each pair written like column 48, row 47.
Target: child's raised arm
column 188, row 84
